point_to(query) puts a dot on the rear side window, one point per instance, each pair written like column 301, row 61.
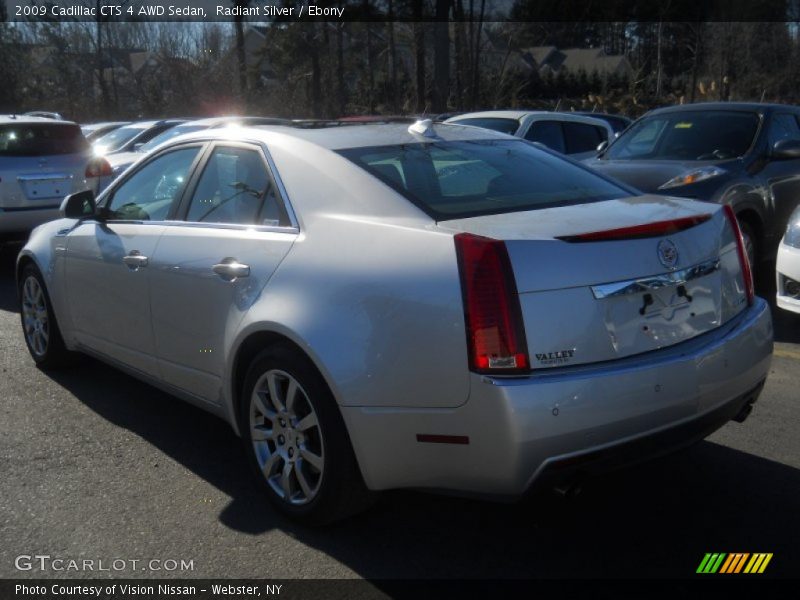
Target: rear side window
column 41, row 139
column 236, row 188
column 450, row 180
column 581, row 137
column 116, row 139
column 508, row 126
column 547, row 133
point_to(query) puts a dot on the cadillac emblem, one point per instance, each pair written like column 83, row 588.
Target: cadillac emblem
column 667, row 254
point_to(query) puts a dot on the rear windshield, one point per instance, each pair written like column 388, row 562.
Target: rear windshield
column 508, row 126
column 687, row 135
column 41, row 139
column 169, row 134
column 116, row 139
column 450, row 180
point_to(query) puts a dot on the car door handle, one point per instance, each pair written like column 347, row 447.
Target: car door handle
column 230, row 269
column 135, row 260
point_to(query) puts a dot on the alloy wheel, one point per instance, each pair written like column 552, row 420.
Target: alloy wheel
column 36, row 320
column 286, row 437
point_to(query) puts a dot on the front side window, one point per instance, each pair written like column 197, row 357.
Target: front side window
column 688, row 136
column 450, row 180
column 783, row 127
column 235, row 188
column 148, row 194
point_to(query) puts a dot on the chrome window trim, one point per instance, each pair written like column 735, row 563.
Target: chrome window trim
column 204, row 140
column 203, row 225
column 645, row 284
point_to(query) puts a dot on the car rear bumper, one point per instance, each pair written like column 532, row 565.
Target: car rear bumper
column 17, row 223
column 515, row 432
column 788, row 265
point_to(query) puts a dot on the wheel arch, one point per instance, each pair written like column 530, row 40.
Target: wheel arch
column 249, row 347
column 251, row 344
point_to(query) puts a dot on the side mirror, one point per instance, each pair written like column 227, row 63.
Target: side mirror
column 79, row 205
column 786, row 149
column 138, row 147
column 602, row 146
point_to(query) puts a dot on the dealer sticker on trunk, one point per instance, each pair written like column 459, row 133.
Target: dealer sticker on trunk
column 559, row 357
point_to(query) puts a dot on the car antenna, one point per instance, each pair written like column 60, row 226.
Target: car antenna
column 423, row 127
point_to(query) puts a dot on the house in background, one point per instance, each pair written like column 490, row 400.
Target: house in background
column 549, row 59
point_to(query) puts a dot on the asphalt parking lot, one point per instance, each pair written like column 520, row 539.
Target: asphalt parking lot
column 96, row 465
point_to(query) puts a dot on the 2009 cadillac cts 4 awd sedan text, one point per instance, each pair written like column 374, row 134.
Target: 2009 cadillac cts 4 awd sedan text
column 384, row 306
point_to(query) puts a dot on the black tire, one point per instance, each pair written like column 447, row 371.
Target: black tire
column 340, row 489
column 53, row 354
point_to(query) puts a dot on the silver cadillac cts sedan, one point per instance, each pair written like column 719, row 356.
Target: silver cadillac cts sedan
column 390, row 306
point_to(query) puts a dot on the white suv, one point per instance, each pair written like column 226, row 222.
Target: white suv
column 41, row 161
column 577, row 136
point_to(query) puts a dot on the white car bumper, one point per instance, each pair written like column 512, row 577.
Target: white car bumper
column 788, row 267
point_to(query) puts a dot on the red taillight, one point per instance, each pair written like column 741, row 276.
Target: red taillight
column 495, row 333
column 744, row 261
column 98, row 167
column 647, row 230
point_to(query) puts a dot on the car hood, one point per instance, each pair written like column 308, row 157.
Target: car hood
column 649, row 175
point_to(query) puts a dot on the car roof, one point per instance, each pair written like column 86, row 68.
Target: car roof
column 344, row 136
column 105, row 123
column 27, row 119
column 500, row 114
column 519, row 114
column 731, row 106
column 148, row 124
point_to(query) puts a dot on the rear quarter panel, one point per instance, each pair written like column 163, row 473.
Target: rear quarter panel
column 370, row 289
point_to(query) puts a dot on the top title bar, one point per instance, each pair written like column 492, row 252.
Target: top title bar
column 414, row 10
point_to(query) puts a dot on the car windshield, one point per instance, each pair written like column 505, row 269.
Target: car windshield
column 687, row 135
column 116, row 139
column 169, row 134
column 41, row 139
column 450, row 180
column 502, row 125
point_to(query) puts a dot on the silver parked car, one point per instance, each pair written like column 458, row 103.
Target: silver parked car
column 41, row 161
column 127, row 137
column 384, row 306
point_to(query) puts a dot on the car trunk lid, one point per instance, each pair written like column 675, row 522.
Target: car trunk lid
column 592, row 298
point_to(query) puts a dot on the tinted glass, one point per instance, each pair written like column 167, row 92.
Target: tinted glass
column 581, row 137
column 508, row 126
column 783, row 127
column 235, row 188
column 149, row 193
column 462, row 179
column 687, row 135
column 547, row 133
column 617, row 123
column 169, row 134
column 41, row 139
column 152, row 132
column 114, row 140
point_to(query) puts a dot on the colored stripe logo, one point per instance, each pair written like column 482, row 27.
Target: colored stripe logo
column 736, row 562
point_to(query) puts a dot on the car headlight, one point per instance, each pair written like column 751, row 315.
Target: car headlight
column 693, row 176
column 792, row 237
